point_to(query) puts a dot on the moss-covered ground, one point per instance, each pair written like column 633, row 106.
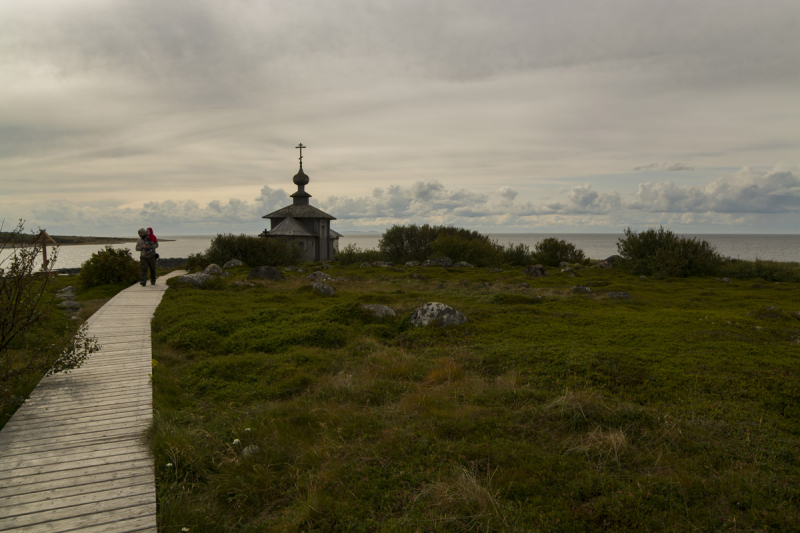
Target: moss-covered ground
column 278, row 409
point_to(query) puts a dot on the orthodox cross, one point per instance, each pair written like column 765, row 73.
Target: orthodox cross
column 300, row 146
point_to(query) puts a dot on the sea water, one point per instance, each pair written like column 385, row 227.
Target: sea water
column 594, row 245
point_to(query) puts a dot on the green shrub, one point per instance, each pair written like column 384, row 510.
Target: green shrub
column 109, row 265
column 252, row 251
column 766, row 270
column 517, row 254
column 661, row 253
column 479, row 252
column 415, row 243
column 352, row 254
column 551, row 252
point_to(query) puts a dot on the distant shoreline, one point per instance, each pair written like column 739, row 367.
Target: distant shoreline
column 75, row 240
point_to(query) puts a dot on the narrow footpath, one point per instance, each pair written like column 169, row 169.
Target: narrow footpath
column 74, row 456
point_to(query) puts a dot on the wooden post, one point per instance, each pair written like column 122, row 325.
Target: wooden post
column 44, row 237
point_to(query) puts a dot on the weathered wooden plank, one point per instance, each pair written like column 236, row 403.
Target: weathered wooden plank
column 44, row 410
column 75, row 439
column 74, row 490
column 75, row 464
column 72, row 478
column 74, row 500
column 88, row 451
column 87, row 514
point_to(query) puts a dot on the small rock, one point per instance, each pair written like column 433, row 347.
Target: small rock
column 603, row 264
column 250, row 450
column 69, row 304
column 494, row 270
column 326, row 266
column 486, row 284
column 464, row 264
column 265, row 272
column 319, row 276
column 566, row 269
column 563, row 264
column 68, row 288
column 383, row 264
column 574, row 274
column 226, row 274
column 417, row 276
column 412, row 263
column 440, row 286
column 366, row 264
column 378, row 310
column 65, row 295
column 75, row 317
column 290, row 268
column 724, row 280
column 580, row 289
column 232, row 263
column 323, row 288
column 618, row 295
column 797, row 315
column 643, row 278
column 524, row 285
column 439, row 313
column 243, row 284
column 212, row 269
column 534, row 271
column 399, row 269
column 301, row 270
column 443, row 262
column 197, row 279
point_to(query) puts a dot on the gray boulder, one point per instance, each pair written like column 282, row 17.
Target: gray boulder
column 366, row 264
column 724, row 280
column 566, row 269
column 243, row 284
column 439, row 313
column 198, row 279
column 250, row 450
column 444, row 262
column 325, row 266
column 415, row 275
column 412, row 263
column 378, row 310
column 495, row 270
column 563, row 264
column 290, row 268
column 69, row 304
column 534, row 271
column 318, row 276
column 621, row 295
column 212, row 269
column 265, row 272
column 67, row 293
column 232, row 263
column 383, row 264
column 643, row 278
column 464, row 264
column 323, row 288
column 580, row 289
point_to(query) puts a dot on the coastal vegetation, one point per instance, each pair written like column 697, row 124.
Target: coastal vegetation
column 251, row 250
column 640, row 405
column 109, row 266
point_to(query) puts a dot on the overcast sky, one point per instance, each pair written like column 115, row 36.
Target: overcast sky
column 502, row 116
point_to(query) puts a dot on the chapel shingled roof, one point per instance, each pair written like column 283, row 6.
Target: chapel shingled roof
column 289, row 227
column 299, row 211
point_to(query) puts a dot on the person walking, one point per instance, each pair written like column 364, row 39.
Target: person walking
column 147, row 245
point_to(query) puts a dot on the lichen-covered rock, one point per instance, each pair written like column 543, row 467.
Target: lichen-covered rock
column 438, row 313
column 323, row 288
column 534, row 271
column 232, row 263
column 412, row 263
column 444, row 262
column 319, row 276
column 213, row 269
column 69, row 304
column 243, row 284
column 378, row 310
column 197, row 279
column 580, row 289
column 566, row 269
column 621, row 295
column 383, row 264
column 464, row 264
column 265, row 272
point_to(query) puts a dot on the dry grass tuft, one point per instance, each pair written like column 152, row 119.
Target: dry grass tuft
column 603, row 444
column 448, row 370
column 463, row 495
column 578, row 405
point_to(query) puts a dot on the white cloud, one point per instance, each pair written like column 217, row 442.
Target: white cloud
column 665, row 165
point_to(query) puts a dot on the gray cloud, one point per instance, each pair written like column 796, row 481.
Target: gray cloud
column 674, row 167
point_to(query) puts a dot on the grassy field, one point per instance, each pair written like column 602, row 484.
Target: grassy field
column 277, row 409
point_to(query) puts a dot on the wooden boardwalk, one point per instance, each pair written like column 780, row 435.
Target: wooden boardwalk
column 74, row 457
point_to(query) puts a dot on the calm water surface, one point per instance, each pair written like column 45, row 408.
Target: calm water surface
column 594, row 245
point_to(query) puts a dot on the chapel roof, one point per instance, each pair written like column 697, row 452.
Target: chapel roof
column 289, row 227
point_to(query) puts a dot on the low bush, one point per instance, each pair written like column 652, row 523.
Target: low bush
column 415, row 243
column 551, row 252
column 479, row 252
column 352, row 254
column 252, row 251
column 109, row 265
column 517, row 254
column 766, row 270
column 661, row 253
